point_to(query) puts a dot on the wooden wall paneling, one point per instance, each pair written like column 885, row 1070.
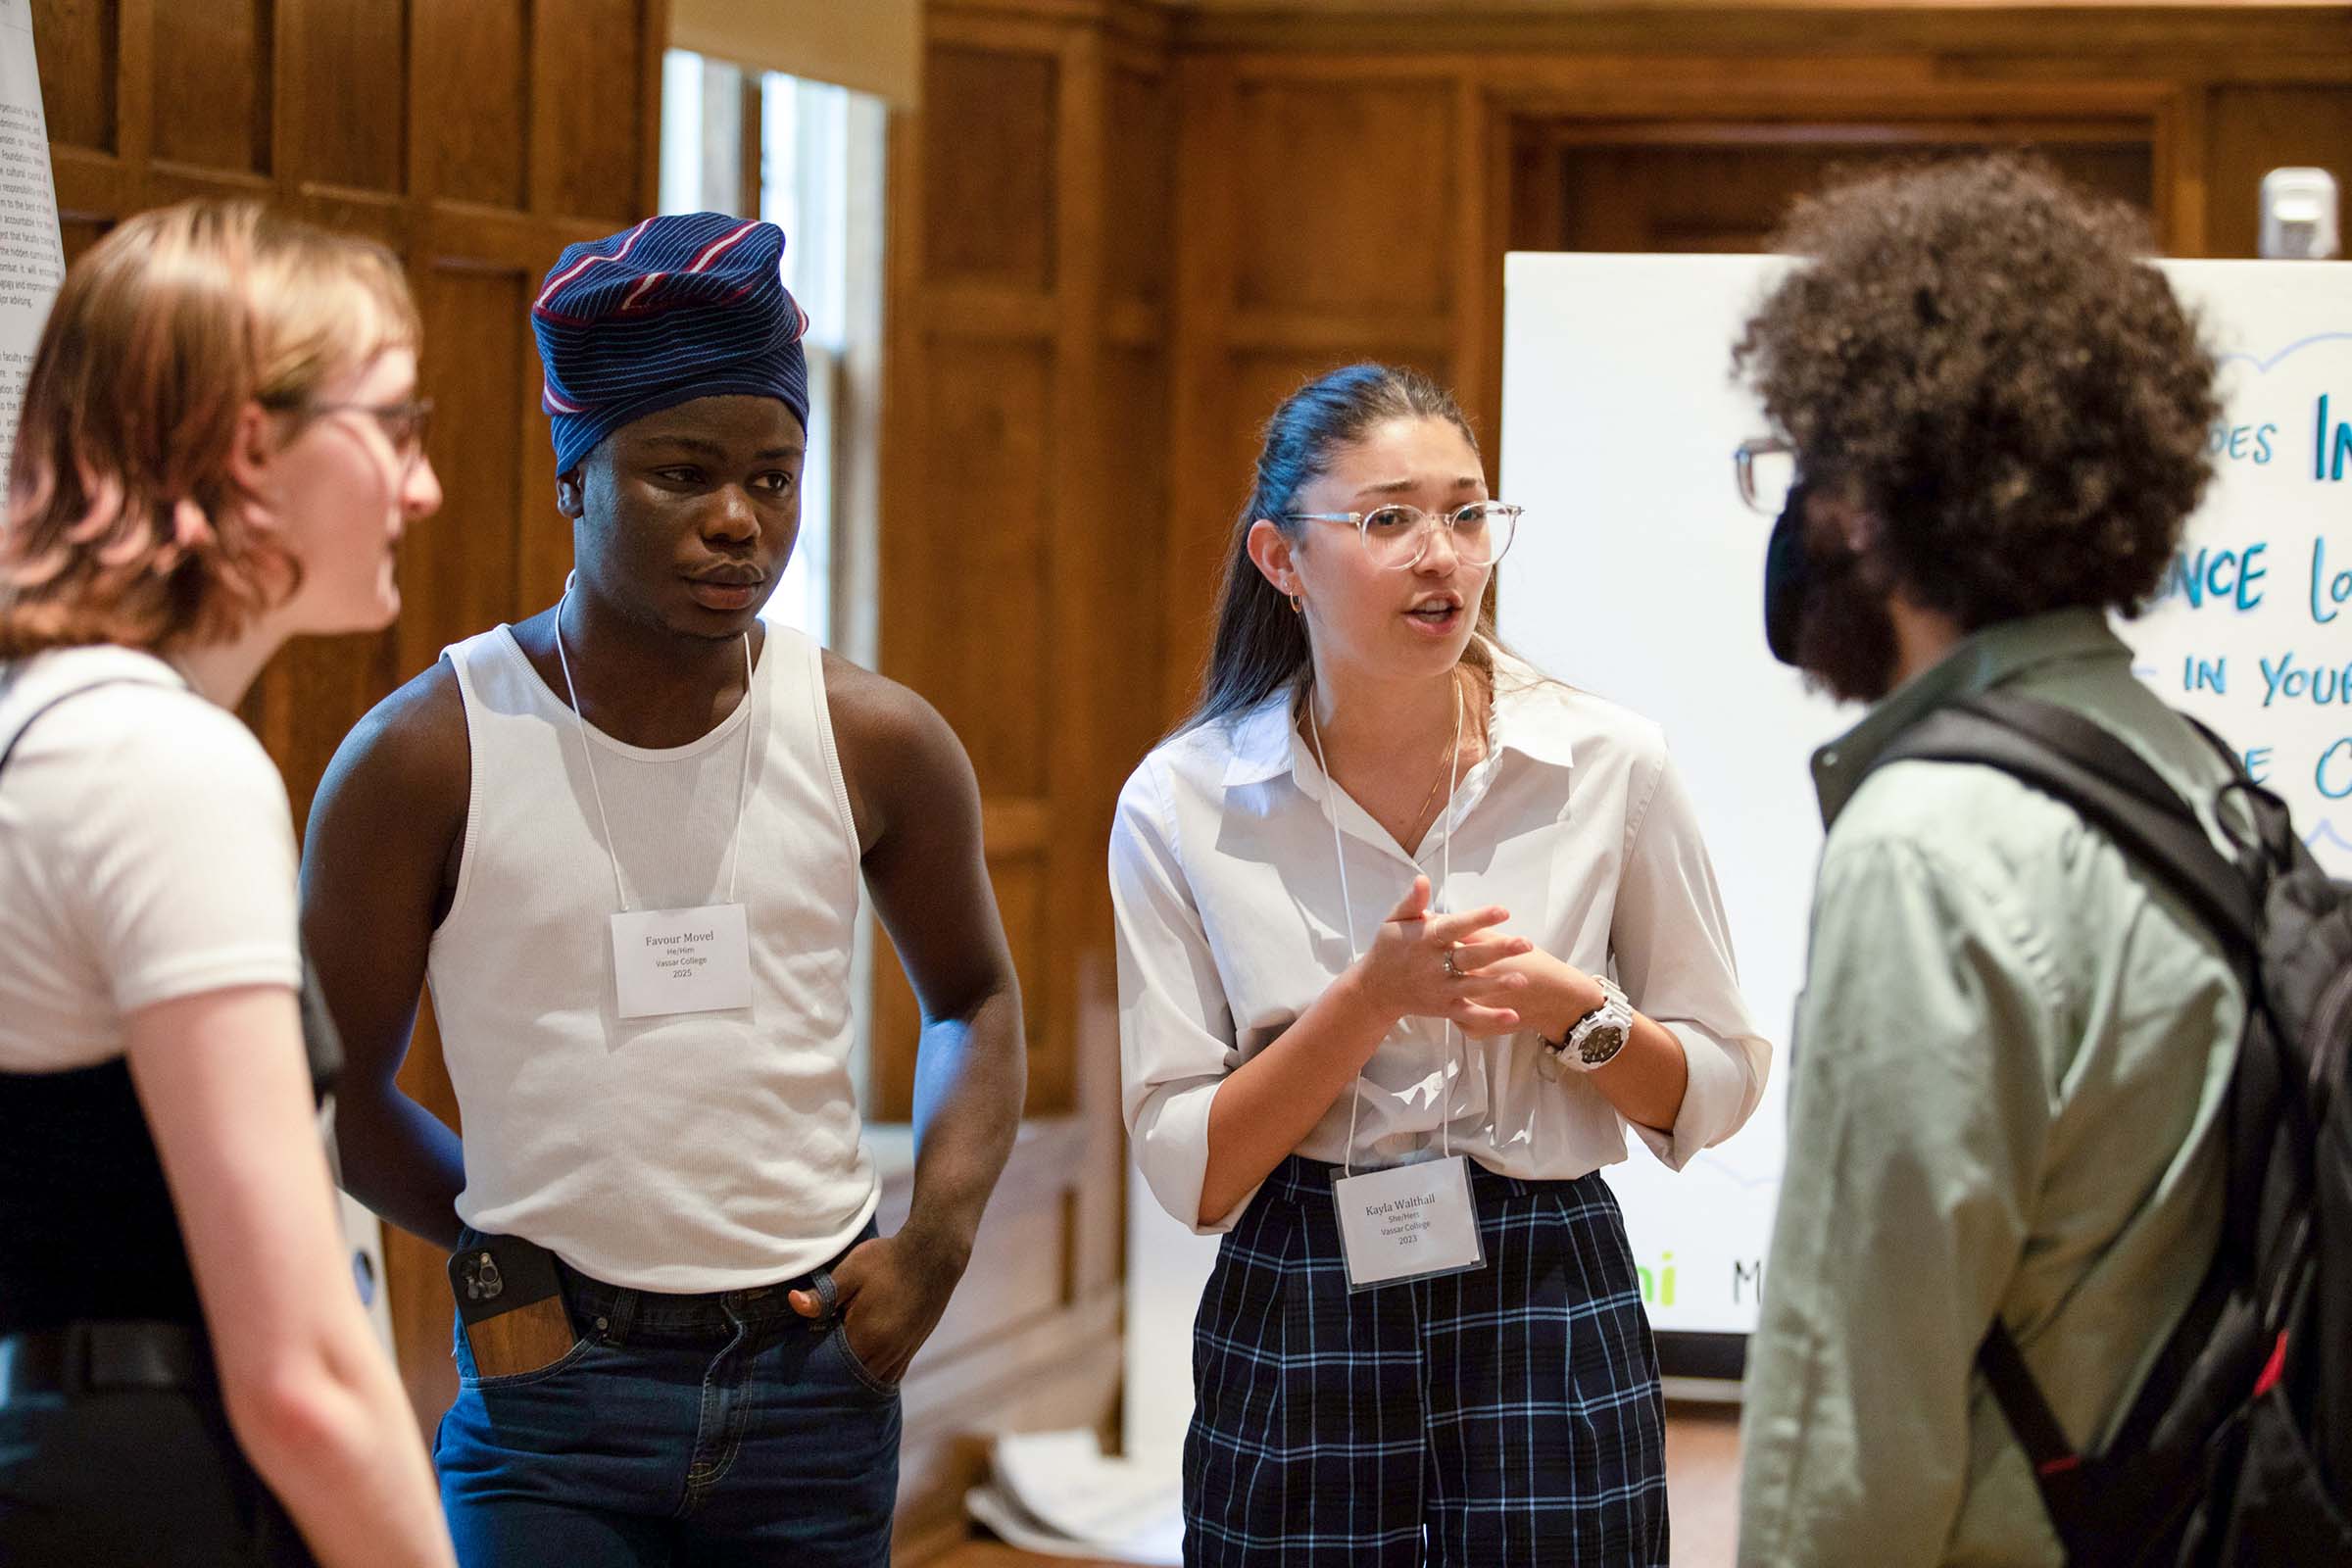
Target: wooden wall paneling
column 75, row 55
column 217, row 117
column 1132, row 513
column 1076, row 562
column 471, row 71
column 2183, row 150
column 2023, row 30
column 1475, row 370
column 2255, row 130
column 1204, row 489
column 988, row 167
column 1341, row 190
column 990, row 477
column 593, row 65
column 459, row 568
column 342, row 74
column 1137, row 189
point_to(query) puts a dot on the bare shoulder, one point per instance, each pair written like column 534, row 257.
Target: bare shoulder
column 898, row 754
column 879, row 718
column 408, row 765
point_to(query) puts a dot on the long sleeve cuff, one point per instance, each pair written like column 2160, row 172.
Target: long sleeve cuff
column 1724, row 1082
column 1170, row 1138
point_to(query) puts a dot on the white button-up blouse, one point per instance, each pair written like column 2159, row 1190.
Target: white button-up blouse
column 1230, row 920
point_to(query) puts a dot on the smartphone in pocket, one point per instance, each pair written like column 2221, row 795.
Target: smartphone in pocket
column 512, row 1305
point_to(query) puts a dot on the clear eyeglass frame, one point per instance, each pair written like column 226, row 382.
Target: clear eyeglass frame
column 404, row 423
column 1399, row 524
column 1764, row 467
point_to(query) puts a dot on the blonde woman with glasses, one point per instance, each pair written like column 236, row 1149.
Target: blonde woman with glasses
column 219, row 446
column 1409, row 937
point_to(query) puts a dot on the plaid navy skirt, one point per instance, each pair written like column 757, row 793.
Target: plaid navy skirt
column 1508, row 1415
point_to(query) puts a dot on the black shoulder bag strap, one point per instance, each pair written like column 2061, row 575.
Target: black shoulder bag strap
column 29, row 719
column 2072, row 759
column 323, row 1047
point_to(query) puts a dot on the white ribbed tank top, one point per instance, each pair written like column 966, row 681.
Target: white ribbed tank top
column 703, row 1152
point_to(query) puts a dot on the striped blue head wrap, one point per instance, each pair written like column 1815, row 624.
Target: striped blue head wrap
column 681, row 307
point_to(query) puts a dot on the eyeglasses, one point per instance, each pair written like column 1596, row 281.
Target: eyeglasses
column 1765, row 468
column 1396, row 537
column 404, row 423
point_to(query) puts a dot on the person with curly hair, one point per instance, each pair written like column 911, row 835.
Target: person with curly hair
column 2012, row 1049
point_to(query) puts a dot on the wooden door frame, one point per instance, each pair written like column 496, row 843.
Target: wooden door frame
column 1672, row 97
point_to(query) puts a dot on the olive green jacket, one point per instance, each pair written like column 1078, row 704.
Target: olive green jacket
column 2008, row 1076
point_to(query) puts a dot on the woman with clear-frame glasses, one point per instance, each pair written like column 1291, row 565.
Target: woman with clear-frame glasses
column 1410, row 936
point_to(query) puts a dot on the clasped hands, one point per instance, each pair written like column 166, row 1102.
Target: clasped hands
column 1458, row 966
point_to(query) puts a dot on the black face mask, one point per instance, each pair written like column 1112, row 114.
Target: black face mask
column 1787, row 569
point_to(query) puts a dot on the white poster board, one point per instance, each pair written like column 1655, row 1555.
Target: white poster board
column 32, row 255
column 1637, row 574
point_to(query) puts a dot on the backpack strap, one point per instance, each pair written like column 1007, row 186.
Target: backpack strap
column 10, row 750
column 2071, row 759
column 2113, row 788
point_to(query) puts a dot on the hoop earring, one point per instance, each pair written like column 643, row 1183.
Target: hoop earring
column 1298, row 603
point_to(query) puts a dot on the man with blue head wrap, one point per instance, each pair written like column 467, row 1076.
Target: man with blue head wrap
column 623, row 841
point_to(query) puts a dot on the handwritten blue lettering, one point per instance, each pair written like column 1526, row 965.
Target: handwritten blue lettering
column 2324, row 686
column 2241, row 443
column 2338, row 587
column 2225, row 576
column 2335, row 763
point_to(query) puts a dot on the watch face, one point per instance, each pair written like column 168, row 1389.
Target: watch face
column 1604, row 1043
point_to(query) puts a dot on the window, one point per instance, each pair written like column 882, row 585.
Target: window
column 807, row 157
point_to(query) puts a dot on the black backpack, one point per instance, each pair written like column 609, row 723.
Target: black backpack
column 2238, row 1448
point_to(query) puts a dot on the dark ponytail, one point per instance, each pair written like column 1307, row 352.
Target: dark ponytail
column 1261, row 642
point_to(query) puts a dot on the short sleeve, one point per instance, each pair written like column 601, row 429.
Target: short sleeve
column 178, row 854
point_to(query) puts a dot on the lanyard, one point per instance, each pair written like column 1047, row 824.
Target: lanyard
column 743, row 786
column 1338, row 855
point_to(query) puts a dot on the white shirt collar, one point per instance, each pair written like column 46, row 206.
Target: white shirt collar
column 1266, row 744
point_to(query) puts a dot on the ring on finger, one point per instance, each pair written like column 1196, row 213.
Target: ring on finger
column 1452, row 970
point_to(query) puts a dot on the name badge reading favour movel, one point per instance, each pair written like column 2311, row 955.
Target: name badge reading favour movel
column 1408, row 1223
column 681, row 961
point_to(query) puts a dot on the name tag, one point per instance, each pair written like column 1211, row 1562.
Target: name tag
column 682, row 961
column 1408, row 1223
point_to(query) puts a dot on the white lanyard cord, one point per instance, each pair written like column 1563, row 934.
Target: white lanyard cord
column 743, row 786
column 1453, row 762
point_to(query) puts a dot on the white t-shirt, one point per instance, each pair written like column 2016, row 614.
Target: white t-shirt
column 146, row 854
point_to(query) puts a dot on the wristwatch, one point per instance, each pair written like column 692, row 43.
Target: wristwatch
column 1594, row 1040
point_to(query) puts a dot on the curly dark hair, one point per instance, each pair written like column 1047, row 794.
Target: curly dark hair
column 1980, row 355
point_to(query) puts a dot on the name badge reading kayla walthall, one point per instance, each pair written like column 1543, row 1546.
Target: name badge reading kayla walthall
column 682, row 961
column 1407, row 1222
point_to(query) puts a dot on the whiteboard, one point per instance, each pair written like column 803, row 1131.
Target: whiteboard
column 1637, row 574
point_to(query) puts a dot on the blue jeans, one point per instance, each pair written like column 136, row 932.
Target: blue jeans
column 716, row 1430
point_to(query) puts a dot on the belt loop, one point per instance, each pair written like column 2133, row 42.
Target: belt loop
column 614, row 1331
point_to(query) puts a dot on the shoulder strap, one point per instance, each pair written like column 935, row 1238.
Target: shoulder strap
column 2064, row 755
column 10, row 750
column 2072, row 759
